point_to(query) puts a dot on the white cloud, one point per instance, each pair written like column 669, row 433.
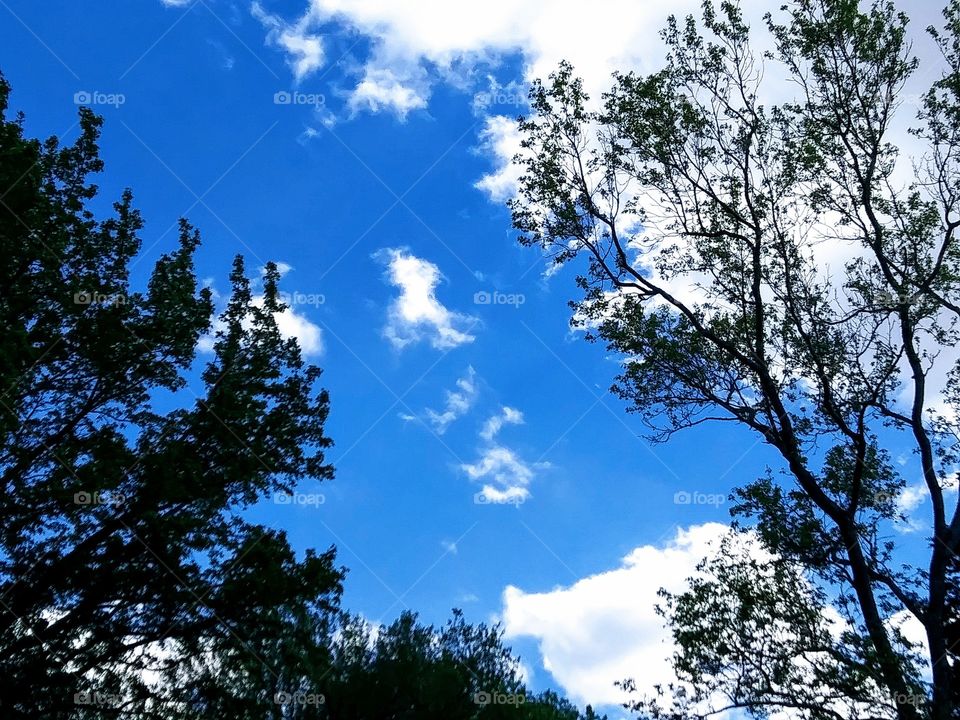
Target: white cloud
column 458, row 402
column 913, row 496
column 176, row 3
column 506, row 476
column 449, row 546
column 384, row 89
column 504, row 496
column 500, row 139
column 304, row 49
column 506, row 416
column 282, row 268
column 604, row 627
column 293, row 325
column 418, row 43
column 443, row 34
column 290, row 324
column 417, row 314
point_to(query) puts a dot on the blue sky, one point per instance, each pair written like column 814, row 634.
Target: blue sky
column 381, row 184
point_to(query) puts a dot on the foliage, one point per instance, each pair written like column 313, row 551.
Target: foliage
column 130, row 584
column 708, row 219
column 408, row 670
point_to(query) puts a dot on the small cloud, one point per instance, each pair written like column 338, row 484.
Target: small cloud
column 293, row 325
column 383, row 89
column 305, row 49
column 503, row 496
column 449, row 546
column 507, row 416
column 505, row 475
column 227, row 61
column 913, row 496
column 290, row 324
column 458, row 402
column 500, row 139
column 417, row 314
column 282, row 268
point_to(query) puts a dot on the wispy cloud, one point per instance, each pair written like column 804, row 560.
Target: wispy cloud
column 506, row 416
column 458, row 402
column 505, row 475
column 304, row 48
column 417, row 314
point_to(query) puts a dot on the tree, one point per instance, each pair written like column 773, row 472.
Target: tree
column 410, row 670
column 129, row 584
column 704, row 214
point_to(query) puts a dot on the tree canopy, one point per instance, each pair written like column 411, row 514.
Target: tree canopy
column 761, row 251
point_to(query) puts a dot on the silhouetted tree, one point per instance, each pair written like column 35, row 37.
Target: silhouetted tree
column 129, row 584
column 411, row 671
